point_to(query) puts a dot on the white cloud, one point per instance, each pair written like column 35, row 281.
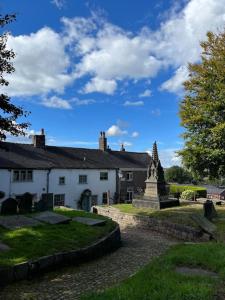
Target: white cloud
column 58, row 3
column 133, row 103
column 115, row 130
column 168, row 158
column 100, row 85
column 41, row 64
column 127, row 144
column 56, row 102
column 174, row 84
column 135, row 134
column 107, row 54
column 146, row 93
column 80, row 102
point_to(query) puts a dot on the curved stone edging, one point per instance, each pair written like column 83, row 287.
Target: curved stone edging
column 179, row 231
column 30, row 269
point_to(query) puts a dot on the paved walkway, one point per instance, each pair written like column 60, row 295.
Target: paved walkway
column 139, row 247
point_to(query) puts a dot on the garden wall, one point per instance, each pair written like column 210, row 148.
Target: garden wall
column 179, row 231
column 30, row 269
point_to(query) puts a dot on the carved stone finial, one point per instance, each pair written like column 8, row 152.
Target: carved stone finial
column 155, row 155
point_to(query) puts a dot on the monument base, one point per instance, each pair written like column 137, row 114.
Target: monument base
column 155, row 203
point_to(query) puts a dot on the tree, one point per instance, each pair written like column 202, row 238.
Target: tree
column 202, row 111
column 9, row 112
column 177, row 174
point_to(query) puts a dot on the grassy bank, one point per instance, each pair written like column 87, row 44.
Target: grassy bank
column 33, row 242
column 159, row 280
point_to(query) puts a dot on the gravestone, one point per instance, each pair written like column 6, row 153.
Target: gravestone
column 209, row 210
column 9, row 207
column 156, row 194
column 17, row 221
column 89, row 221
column 51, row 218
column 25, row 203
column 45, row 204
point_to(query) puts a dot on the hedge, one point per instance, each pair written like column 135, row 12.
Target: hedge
column 200, row 192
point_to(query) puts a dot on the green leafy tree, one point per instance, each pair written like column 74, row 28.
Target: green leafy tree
column 9, row 113
column 202, row 111
column 177, row 174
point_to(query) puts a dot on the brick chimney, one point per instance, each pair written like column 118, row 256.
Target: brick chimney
column 102, row 141
column 39, row 139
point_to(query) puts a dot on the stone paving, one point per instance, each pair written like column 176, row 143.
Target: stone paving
column 139, row 247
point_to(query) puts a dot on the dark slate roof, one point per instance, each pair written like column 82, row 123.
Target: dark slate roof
column 13, row 155
column 215, row 190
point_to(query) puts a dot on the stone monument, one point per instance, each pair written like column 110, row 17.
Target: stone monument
column 156, row 194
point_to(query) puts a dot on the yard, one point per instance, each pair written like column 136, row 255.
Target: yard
column 32, row 242
column 160, row 280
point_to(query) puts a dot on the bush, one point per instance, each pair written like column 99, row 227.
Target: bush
column 188, row 195
column 200, row 192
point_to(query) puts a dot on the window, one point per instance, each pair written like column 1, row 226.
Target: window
column 62, row 180
column 105, row 198
column 59, row 200
column 129, row 194
column 129, row 176
column 22, row 175
column 103, row 175
column 82, row 179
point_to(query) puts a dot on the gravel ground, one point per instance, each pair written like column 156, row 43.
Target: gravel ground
column 139, row 247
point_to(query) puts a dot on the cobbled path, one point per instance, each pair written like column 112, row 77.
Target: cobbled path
column 139, row 247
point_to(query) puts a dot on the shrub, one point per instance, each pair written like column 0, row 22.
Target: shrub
column 200, row 192
column 188, row 195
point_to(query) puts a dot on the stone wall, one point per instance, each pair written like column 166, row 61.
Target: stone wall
column 179, row 231
column 30, row 269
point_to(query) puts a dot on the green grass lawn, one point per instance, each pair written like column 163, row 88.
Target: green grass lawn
column 180, row 214
column 33, row 242
column 159, row 280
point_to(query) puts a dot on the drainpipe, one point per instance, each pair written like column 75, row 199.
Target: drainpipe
column 47, row 182
column 10, row 182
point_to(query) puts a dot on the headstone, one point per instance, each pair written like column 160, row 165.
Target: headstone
column 89, row 221
column 209, row 210
column 45, row 204
column 17, row 221
column 25, row 203
column 205, row 224
column 9, row 207
column 51, row 218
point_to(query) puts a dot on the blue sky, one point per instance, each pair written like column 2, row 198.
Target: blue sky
column 117, row 66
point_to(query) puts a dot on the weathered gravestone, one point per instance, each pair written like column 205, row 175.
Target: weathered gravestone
column 17, row 221
column 51, row 218
column 25, row 203
column 46, row 203
column 89, row 221
column 209, row 210
column 9, row 207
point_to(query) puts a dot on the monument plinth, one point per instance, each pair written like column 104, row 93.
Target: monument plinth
column 156, row 194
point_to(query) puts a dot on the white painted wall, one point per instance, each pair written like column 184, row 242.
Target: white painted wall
column 72, row 189
column 11, row 188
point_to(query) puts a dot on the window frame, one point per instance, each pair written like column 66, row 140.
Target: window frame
column 63, row 178
column 81, row 181
column 129, row 176
column 22, row 175
column 61, row 199
column 104, row 178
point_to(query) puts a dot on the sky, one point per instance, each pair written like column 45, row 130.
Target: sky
column 82, row 67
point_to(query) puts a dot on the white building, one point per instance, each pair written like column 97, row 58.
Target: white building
column 64, row 172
